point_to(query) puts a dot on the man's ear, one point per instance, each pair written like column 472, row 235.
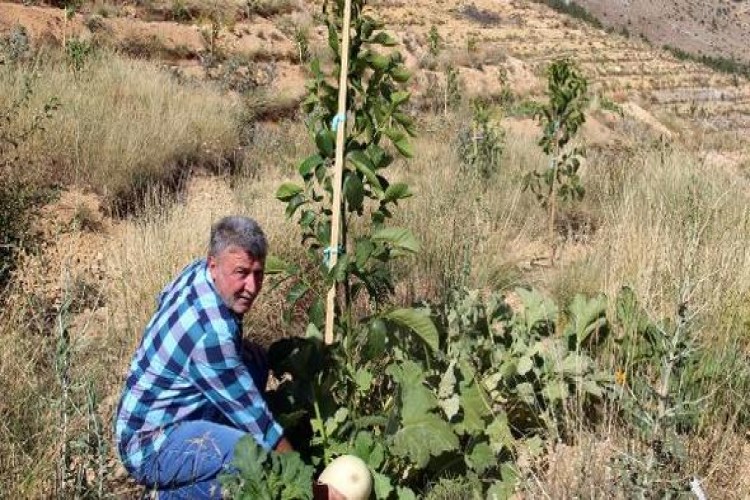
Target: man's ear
column 211, row 261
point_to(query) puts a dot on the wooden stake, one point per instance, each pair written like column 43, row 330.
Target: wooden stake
column 339, row 168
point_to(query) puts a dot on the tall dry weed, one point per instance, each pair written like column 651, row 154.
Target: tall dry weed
column 672, row 221
column 124, row 125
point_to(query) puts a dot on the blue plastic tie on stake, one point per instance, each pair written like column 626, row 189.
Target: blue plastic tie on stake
column 327, row 252
column 338, row 119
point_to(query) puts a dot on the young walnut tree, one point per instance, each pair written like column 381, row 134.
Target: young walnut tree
column 561, row 118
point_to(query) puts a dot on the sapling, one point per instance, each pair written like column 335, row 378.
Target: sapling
column 375, row 102
column 561, row 118
column 434, row 41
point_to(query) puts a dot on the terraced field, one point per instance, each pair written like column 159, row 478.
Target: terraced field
column 511, row 42
column 705, row 103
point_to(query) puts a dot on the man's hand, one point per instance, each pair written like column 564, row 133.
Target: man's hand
column 283, row 446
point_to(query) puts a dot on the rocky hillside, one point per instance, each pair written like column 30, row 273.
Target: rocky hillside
column 718, row 28
column 492, row 44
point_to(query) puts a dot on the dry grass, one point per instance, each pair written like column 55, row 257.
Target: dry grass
column 592, row 467
column 481, row 231
column 28, row 426
column 670, row 222
column 123, row 126
column 662, row 220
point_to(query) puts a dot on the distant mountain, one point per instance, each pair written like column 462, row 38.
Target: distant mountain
column 717, row 28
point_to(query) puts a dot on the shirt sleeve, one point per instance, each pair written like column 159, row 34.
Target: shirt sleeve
column 219, row 373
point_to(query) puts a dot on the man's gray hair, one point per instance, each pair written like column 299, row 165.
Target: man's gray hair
column 239, row 231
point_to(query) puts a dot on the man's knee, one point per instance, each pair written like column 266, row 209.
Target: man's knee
column 195, row 452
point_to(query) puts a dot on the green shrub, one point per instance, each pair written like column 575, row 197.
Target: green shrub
column 480, row 145
column 434, row 41
column 77, row 50
column 727, row 65
column 574, row 10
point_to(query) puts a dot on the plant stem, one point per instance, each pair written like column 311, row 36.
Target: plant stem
column 321, row 426
column 551, row 198
column 552, row 209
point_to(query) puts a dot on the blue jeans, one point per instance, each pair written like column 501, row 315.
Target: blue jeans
column 196, row 452
column 189, row 462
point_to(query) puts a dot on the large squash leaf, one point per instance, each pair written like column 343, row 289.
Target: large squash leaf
column 418, row 321
column 423, row 434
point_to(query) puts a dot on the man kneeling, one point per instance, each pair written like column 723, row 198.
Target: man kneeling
column 191, row 394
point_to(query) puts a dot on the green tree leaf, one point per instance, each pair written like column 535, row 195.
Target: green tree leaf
column 400, row 97
column 296, row 292
column 287, row 191
column 400, row 74
column 363, row 164
column 418, row 321
column 377, row 61
column 404, row 147
column 398, row 238
column 308, row 166
column 326, row 142
column 397, row 191
column 276, row 265
column 316, row 313
column 384, row 39
column 354, row 191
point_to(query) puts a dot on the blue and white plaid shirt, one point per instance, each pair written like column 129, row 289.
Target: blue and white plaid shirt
column 188, row 366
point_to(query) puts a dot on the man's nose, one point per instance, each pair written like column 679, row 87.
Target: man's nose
column 251, row 284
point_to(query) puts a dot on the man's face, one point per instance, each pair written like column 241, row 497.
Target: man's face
column 238, row 277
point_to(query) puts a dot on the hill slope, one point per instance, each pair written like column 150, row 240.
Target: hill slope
column 718, row 28
column 491, row 43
